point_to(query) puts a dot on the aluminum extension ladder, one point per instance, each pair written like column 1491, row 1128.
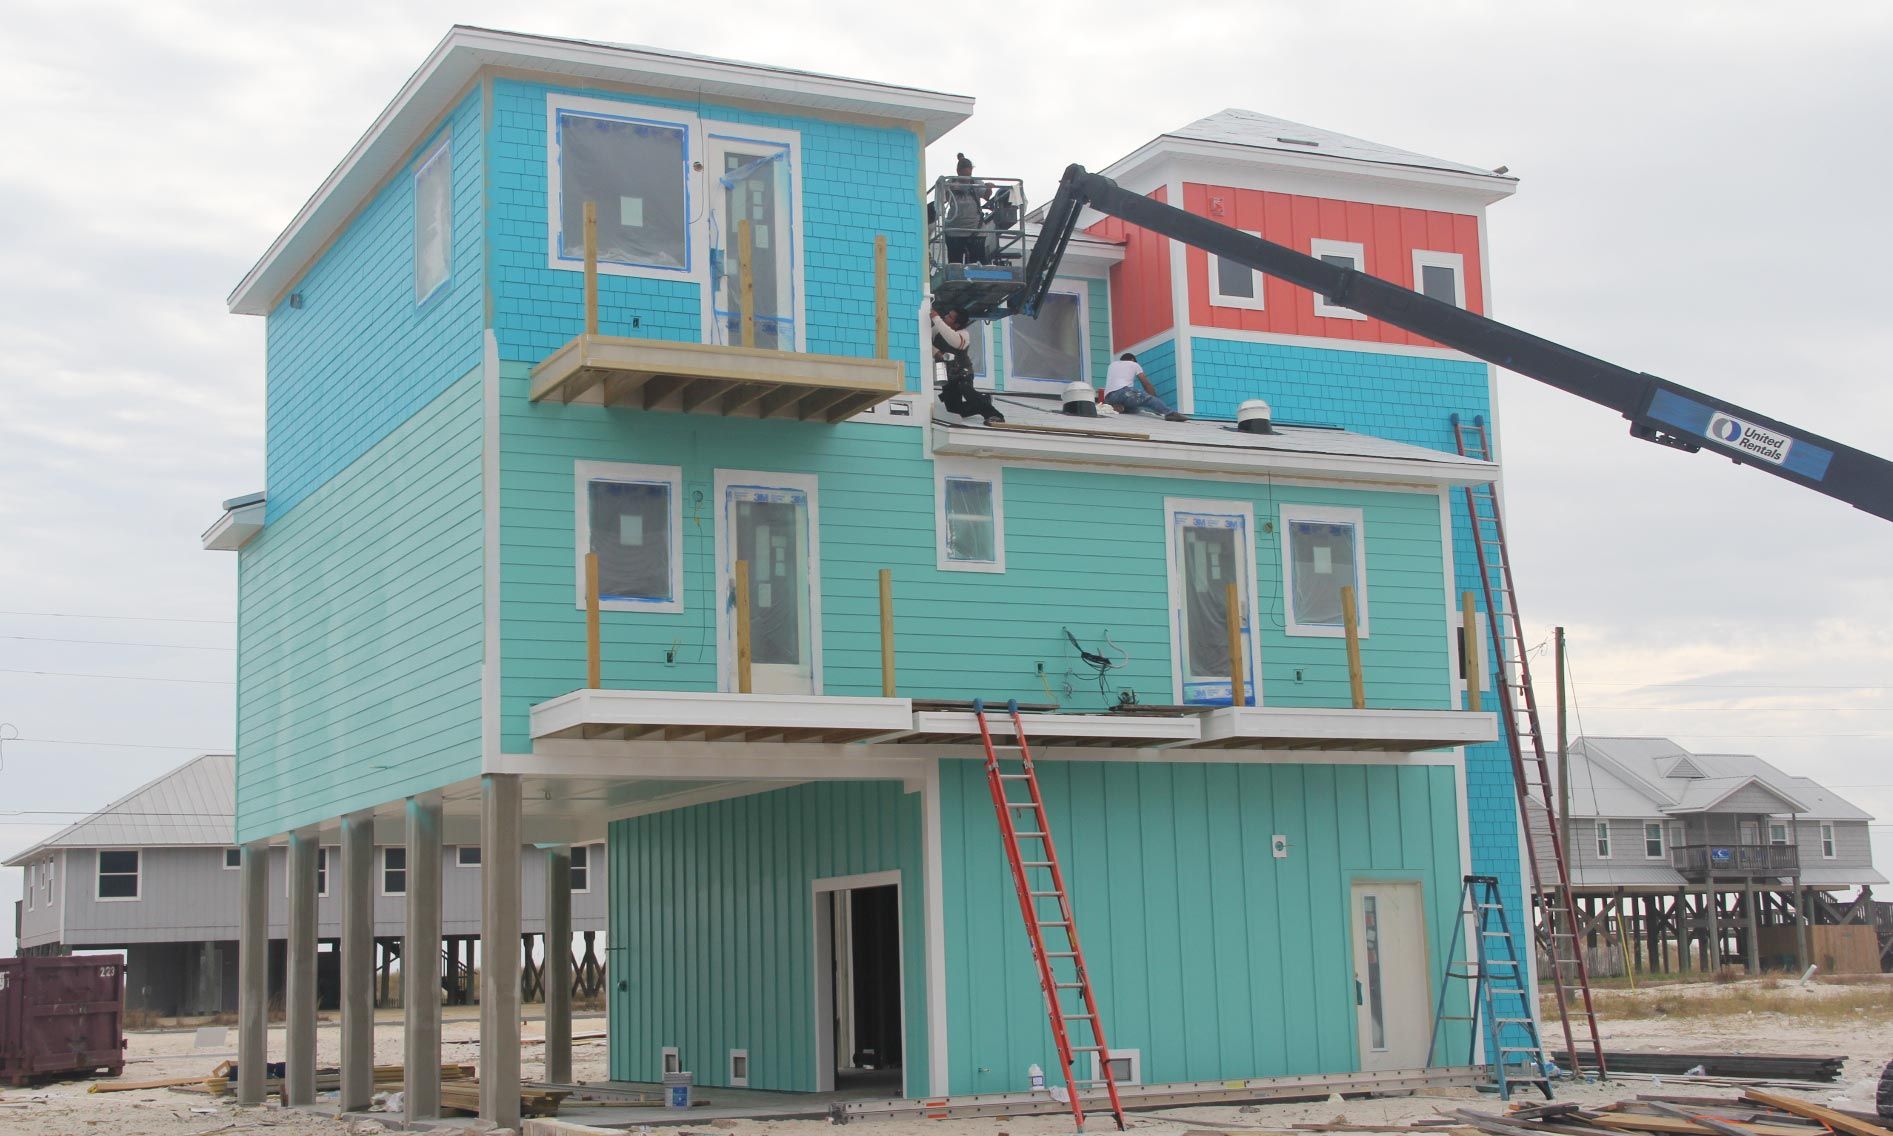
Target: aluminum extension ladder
column 1518, row 714
column 1498, row 998
column 1039, row 881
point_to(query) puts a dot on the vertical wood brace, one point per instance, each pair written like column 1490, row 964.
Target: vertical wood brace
column 594, row 667
column 1232, row 603
column 1469, row 648
column 591, row 268
column 880, row 296
column 1351, row 624
column 887, row 629
column 746, row 280
column 742, row 627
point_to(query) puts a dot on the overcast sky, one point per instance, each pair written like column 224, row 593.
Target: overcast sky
column 1702, row 196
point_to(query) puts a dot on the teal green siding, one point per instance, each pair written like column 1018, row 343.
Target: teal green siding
column 360, row 629
column 712, row 937
column 1084, row 550
column 1210, row 956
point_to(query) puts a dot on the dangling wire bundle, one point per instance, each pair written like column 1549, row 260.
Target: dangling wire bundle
column 1100, row 664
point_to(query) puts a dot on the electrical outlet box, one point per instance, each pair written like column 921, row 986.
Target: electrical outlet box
column 1279, row 845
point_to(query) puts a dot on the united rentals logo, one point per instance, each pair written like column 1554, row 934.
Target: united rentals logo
column 1749, row 438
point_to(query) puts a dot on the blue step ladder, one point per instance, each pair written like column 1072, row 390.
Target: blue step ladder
column 1500, row 1003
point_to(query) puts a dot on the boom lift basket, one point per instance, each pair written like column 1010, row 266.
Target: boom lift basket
column 976, row 244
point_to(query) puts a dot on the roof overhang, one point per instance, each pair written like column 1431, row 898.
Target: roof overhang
column 462, row 54
column 242, row 519
column 1042, row 730
column 1324, row 728
column 1158, row 155
column 1710, row 806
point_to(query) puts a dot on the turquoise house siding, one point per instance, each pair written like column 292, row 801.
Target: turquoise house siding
column 360, row 356
column 1210, row 956
column 360, row 629
column 712, row 934
column 857, row 182
column 1159, row 362
column 1084, row 550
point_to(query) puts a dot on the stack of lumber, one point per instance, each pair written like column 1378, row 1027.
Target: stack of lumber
column 1760, row 1066
column 1757, row 1112
column 464, row 1096
column 387, row 1079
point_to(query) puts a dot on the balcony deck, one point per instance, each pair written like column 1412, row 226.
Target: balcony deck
column 706, row 716
column 1323, row 728
column 705, row 378
column 1697, row 862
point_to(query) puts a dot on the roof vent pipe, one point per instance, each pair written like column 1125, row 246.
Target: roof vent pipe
column 1080, row 399
column 1252, row 417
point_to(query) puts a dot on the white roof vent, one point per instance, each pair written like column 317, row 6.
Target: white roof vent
column 1080, row 399
column 1253, row 417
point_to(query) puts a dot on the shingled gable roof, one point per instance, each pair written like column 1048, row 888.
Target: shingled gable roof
column 1239, row 127
column 192, row 805
column 1639, row 777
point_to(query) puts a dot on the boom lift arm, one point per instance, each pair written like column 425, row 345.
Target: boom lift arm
column 1659, row 411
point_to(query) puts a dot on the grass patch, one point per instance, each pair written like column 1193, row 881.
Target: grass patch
column 1730, row 1001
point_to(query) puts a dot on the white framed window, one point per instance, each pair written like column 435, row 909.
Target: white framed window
column 1440, row 275
column 322, row 874
column 394, row 870
column 1208, row 546
column 1127, row 1066
column 581, row 869
column 1324, row 549
column 979, row 352
column 46, row 878
column 232, row 859
column 433, row 221
column 752, row 177
column 1342, row 254
column 634, row 163
column 119, row 874
column 669, row 1061
column 1777, row 832
column 629, row 516
column 1676, row 834
column 1602, row 829
column 969, row 518
column 1653, row 840
column 1828, row 849
column 1233, row 285
column 1049, row 351
column 32, row 884
column 467, row 856
column 739, row 1068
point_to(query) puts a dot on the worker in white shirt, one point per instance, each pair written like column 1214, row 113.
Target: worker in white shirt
column 950, row 344
column 1121, row 393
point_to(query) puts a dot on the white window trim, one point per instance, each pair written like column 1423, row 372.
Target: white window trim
column 1255, row 303
column 1423, row 258
column 46, row 879
column 792, row 142
column 381, row 877
column 987, row 379
column 138, row 877
column 460, row 855
column 322, row 875
column 442, row 149
column 1316, row 247
column 1457, row 618
column 591, row 865
column 586, row 472
column 1662, row 841
column 1323, row 514
column 945, row 468
column 227, row 865
column 739, row 1082
column 669, row 1060
column 32, row 884
column 1830, row 845
column 1602, row 828
column 1787, row 833
column 1134, row 1056
column 1252, row 676
column 809, row 485
column 696, row 261
column 1016, row 382
column 1678, row 834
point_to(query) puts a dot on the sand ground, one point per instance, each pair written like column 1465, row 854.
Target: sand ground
column 1798, row 1022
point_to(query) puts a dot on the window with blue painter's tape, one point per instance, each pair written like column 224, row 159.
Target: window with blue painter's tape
column 433, row 222
column 628, row 519
column 1050, row 347
column 637, row 172
column 1324, row 551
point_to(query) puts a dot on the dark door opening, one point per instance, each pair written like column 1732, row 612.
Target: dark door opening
column 864, row 989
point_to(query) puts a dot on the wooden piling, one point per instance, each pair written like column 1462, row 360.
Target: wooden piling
column 594, row 668
column 880, row 296
column 1469, row 648
column 1238, row 694
column 591, row 268
column 742, row 627
column 1351, row 625
column 887, row 633
column 746, row 280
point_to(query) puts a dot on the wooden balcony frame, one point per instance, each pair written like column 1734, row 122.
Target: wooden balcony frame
column 1744, row 861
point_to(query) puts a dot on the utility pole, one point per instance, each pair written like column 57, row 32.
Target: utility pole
column 1564, row 754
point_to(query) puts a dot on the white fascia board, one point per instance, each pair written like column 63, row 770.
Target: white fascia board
column 235, row 528
column 1132, row 730
column 714, row 709
column 1482, row 188
column 457, row 61
column 1422, row 729
column 1005, row 445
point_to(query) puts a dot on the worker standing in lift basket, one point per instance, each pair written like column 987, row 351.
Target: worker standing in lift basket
column 950, row 344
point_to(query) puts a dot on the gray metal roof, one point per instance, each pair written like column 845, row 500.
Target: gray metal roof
column 1266, row 132
column 194, row 804
column 1634, row 777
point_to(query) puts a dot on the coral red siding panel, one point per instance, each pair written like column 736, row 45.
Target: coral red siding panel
column 1140, row 284
column 1389, row 234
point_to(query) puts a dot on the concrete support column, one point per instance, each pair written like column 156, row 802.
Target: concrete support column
column 558, row 972
column 1754, row 952
column 253, row 974
column 420, row 962
column 358, row 962
column 499, row 949
column 299, row 1000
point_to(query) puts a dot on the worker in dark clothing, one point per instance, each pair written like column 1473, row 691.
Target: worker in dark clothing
column 966, row 223
column 959, row 395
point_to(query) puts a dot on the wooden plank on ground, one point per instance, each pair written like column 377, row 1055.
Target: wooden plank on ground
column 1674, row 1126
column 140, row 1086
column 1834, row 1119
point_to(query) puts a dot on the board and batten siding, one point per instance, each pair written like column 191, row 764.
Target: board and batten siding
column 360, row 634
column 1085, row 550
column 712, row 937
column 1210, row 957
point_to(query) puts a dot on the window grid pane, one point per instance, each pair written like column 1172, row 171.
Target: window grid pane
column 969, row 515
column 433, row 223
column 1050, row 345
column 1323, row 557
column 634, row 171
column 630, row 533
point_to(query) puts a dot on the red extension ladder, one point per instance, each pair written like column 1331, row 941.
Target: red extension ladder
column 1043, row 866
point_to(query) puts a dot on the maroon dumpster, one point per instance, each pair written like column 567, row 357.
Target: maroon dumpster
column 61, row 1014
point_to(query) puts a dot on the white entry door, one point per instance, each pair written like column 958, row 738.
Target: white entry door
column 753, row 180
column 1393, row 1006
column 771, row 526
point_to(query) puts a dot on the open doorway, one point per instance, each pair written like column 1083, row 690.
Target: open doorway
column 859, row 1019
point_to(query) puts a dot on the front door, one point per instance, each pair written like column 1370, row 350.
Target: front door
column 1211, row 552
column 1392, row 992
column 753, row 183
column 769, row 527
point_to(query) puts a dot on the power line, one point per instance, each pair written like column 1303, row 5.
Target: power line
column 139, row 618
column 1753, row 709
column 113, row 643
column 120, row 678
column 121, row 745
column 1741, row 685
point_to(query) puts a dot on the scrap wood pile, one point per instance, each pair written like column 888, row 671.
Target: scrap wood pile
column 1765, row 1066
column 1757, row 1112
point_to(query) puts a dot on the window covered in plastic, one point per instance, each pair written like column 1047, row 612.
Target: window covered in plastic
column 1322, row 563
column 1211, row 562
column 433, row 222
column 635, row 173
column 630, row 532
column 1049, row 346
column 969, row 521
column 118, row 874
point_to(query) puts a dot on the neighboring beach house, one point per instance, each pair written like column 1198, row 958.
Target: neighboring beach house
column 805, row 876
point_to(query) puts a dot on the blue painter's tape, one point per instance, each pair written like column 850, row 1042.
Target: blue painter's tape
column 1740, row 436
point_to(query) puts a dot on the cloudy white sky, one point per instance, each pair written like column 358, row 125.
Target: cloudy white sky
column 1702, row 197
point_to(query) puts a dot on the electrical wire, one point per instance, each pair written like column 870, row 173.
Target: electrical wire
column 143, row 618
column 123, row 678
column 113, row 643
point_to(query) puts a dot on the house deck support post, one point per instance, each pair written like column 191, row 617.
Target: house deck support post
column 1712, row 902
column 1685, row 926
column 299, row 999
column 499, row 946
column 253, row 974
column 558, row 973
column 358, row 962
column 420, row 962
column 1351, row 627
column 1804, row 951
column 1753, row 951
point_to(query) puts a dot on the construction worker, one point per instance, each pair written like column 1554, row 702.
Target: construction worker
column 959, row 395
column 1121, row 381
column 966, row 238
